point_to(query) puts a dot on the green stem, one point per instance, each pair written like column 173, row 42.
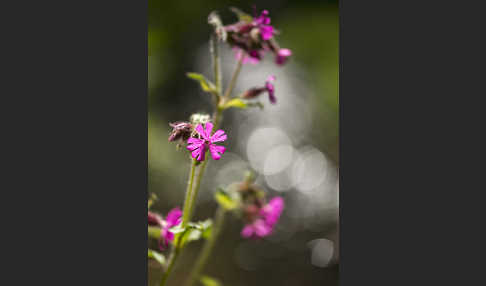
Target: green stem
column 189, row 196
column 207, row 248
column 233, row 78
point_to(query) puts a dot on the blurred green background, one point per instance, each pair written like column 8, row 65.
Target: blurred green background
column 305, row 248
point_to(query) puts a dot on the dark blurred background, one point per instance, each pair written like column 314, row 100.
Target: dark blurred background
column 293, row 145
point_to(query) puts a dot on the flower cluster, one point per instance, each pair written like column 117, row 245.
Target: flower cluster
column 252, row 38
column 173, row 219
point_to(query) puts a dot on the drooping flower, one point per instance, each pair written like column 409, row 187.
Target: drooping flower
column 173, row 219
column 263, row 224
column 257, row 91
column 199, row 146
column 181, row 131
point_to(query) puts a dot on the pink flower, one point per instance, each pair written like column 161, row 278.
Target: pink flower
column 173, row 219
column 198, row 147
column 268, row 217
column 282, row 56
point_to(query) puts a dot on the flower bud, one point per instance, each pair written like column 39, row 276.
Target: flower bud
column 282, row 56
column 252, row 92
column 181, row 131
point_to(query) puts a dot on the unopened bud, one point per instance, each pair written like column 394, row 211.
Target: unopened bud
column 252, row 92
column 181, row 131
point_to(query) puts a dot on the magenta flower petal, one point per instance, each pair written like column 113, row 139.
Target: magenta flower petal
column 272, row 211
column 215, row 150
column 218, row 136
column 201, row 131
column 263, row 19
column 261, row 228
column 194, row 143
column 199, row 153
column 174, row 217
column 209, row 130
column 247, row 231
column 266, row 32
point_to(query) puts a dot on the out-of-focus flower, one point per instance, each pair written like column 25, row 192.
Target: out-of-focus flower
column 173, row 219
column 257, row 91
column 252, row 37
column 181, row 131
column 199, row 146
column 166, row 236
column 262, row 225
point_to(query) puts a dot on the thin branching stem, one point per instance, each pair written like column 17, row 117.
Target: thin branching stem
column 207, row 248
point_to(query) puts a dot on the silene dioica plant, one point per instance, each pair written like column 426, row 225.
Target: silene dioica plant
column 251, row 38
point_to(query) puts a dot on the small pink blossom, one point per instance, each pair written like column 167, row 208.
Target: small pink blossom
column 282, row 56
column 198, row 147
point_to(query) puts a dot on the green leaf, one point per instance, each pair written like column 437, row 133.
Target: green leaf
column 209, row 281
column 242, row 16
column 159, row 257
column 225, row 200
column 236, row 102
column 206, row 85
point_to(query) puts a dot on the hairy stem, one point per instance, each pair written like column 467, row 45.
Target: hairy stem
column 207, row 248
